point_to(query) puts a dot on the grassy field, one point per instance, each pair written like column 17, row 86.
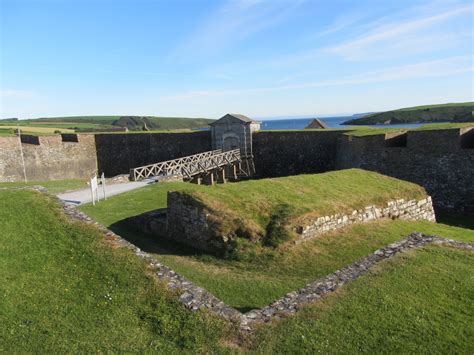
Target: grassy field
column 53, row 186
column 416, row 303
column 48, row 125
column 62, row 289
column 428, row 113
column 255, row 282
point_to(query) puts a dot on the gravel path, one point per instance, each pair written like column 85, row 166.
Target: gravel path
column 80, row 197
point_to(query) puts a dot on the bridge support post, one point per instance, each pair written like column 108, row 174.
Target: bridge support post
column 221, row 176
column 209, row 178
column 234, row 169
column 197, row 179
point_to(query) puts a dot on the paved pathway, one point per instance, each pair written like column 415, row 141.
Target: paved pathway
column 80, row 197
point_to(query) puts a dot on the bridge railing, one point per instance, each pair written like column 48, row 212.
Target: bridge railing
column 213, row 162
column 169, row 167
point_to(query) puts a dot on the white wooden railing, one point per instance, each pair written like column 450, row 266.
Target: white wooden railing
column 188, row 166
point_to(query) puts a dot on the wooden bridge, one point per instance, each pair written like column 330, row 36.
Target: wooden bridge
column 198, row 166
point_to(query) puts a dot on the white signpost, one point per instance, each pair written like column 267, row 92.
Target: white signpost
column 102, row 180
column 94, row 190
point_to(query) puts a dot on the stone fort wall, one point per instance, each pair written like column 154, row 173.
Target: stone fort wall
column 284, row 153
column 118, row 153
column 440, row 160
column 67, row 156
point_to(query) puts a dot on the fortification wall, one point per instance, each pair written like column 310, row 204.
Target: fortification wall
column 48, row 157
column 440, row 160
column 118, row 153
column 291, row 153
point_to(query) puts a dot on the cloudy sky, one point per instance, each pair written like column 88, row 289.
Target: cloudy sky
column 205, row 58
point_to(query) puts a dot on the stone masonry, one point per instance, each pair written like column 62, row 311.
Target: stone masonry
column 398, row 209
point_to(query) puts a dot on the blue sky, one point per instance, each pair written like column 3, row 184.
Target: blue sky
column 255, row 57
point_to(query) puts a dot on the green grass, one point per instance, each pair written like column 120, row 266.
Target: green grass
column 256, row 199
column 459, row 112
column 255, row 282
column 63, row 289
column 53, row 186
column 100, row 122
column 421, row 302
column 6, row 132
column 306, row 196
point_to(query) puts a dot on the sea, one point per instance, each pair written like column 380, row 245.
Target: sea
column 292, row 123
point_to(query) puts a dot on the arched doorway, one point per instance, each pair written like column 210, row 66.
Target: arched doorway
column 230, row 141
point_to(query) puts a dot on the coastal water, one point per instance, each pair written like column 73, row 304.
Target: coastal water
column 331, row 122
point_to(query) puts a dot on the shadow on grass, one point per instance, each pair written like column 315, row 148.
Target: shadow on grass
column 455, row 219
column 151, row 243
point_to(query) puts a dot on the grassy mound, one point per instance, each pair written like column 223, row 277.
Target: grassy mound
column 63, row 289
column 267, row 210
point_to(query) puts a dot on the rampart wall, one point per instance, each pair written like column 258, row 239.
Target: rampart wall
column 118, row 153
column 48, row 157
column 440, row 160
column 280, row 153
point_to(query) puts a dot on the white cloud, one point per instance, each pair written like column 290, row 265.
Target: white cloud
column 234, row 21
column 429, row 69
column 342, row 23
column 397, row 34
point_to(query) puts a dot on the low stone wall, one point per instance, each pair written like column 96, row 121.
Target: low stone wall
column 400, row 209
column 314, row 291
column 192, row 224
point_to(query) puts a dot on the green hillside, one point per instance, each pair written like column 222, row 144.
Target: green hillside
column 452, row 112
column 50, row 125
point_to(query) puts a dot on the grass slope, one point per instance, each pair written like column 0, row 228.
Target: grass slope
column 258, row 202
column 53, row 186
column 419, row 114
column 419, row 302
column 62, row 289
column 255, row 282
